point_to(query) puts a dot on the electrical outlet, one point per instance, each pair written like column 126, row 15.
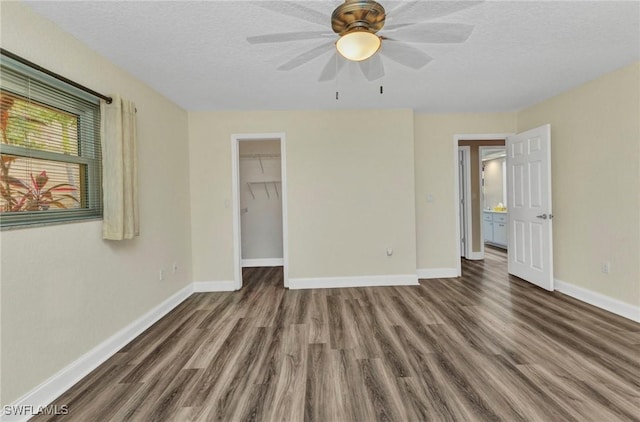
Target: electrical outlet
column 161, row 275
column 175, row 268
column 606, row 267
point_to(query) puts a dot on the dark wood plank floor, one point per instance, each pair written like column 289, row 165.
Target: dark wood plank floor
column 485, row 346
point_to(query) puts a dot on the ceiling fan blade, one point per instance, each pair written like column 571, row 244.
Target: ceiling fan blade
column 395, row 26
column 331, row 69
column 427, row 10
column 405, row 54
column 436, row 33
column 372, row 68
column 307, row 56
column 296, row 10
column 288, row 36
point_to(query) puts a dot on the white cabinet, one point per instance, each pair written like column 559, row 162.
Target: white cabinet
column 500, row 233
column 487, row 226
column 494, row 228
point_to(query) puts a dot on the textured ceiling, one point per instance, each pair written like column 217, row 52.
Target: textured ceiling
column 197, row 53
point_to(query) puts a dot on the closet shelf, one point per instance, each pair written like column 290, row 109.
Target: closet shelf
column 264, row 183
column 255, row 156
column 259, row 157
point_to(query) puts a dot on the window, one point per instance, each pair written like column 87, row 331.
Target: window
column 50, row 168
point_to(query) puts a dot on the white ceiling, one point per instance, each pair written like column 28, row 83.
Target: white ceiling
column 196, row 53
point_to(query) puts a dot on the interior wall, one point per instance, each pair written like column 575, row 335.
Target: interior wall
column 350, row 190
column 261, row 212
column 595, row 160
column 436, row 218
column 64, row 289
column 493, row 183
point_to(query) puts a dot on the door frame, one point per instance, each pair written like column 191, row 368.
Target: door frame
column 465, row 212
column 456, row 185
column 235, row 193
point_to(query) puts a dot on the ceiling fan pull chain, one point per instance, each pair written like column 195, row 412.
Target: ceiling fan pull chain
column 337, row 77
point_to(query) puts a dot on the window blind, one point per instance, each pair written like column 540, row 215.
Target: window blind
column 50, row 149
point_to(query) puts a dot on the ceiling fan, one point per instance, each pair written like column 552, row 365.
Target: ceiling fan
column 357, row 22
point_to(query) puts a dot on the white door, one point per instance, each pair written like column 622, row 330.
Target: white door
column 529, row 206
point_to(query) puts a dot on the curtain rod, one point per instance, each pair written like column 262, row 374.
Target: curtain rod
column 55, row 75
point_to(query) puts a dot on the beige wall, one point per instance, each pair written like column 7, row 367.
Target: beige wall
column 435, row 165
column 64, row 289
column 350, row 190
column 595, row 150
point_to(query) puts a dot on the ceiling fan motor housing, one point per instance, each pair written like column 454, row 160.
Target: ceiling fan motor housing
column 358, row 15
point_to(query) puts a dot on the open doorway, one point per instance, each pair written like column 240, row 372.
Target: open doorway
column 259, row 202
column 469, row 195
column 493, row 187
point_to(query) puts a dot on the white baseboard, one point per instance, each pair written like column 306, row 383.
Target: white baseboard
column 214, row 286
column 64, row 379
column 599, row 300
column 475, row 256
column 262, row 262
column 360, row 281
column 424, row 273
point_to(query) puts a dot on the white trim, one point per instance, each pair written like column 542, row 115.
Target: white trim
column 504, row 180
column 235, row 183
column 424, row 273
column 466, row 210
column 599, row 300
column 456, row 181
column 235, row 209
column 476, row 256
column 360, row 281
column 456, row 205
column 262, row 262
column 215, row 286
column 64, row 379
column 285, row 209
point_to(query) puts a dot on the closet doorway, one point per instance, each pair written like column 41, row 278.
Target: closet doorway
column 259, row 197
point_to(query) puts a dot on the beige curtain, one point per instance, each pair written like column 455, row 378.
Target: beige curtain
column 119, row 174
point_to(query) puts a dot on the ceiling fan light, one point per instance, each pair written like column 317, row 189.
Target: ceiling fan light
column 358, row 45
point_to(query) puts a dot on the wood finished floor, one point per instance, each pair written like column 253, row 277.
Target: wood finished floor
column 485, row 346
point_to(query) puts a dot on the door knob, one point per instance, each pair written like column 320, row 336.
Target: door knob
column 543, row 216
